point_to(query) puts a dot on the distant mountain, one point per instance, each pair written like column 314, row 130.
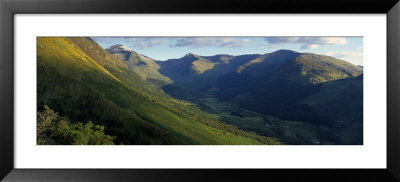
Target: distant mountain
column 267, row 62
column 196, row 72
column 280, row 83
column 229, row 72
column 313, row 69
column 186, row 70
column 219, row 58
column 282, row 87
column 274, row 70
column 82, row 81
column 145, row 67
column 226, row 67
column 188, row 65
column 300, row 98
column 247, row 75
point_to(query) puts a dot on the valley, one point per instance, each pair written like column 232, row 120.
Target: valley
column 282, row 97
column 298, row 98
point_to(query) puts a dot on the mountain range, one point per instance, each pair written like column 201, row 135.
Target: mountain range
column 283, row 97
column 82, row 81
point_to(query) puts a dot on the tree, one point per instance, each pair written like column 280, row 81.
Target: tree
column 55, row 130
column 45, row 119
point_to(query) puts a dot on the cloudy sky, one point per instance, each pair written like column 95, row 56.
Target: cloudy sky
column 162, row 48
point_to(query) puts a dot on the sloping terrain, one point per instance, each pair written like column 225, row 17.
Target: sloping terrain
column 300, row 98
column 143, row 66
column 79, row 79
column 302, row 90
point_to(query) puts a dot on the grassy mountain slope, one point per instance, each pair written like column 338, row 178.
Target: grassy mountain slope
column 280, row 92
column 195, row 72
column 219, row 58
column 320, row 94
column 339, row 105
column 267, row 62
column 188, row 65
column 80, row 80
column 312, row 68
column 341, row 102
column 282, row 70
column 187, row 70
column 337, row 98
column 75, row 85
column 143, row 66
column 226, row 66
column 247, row 76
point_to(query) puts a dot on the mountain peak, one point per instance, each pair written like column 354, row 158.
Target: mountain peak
column 189, row 55
column 285, row 51
column 119, row 48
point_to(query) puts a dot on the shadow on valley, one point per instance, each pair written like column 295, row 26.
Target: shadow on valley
column 289, row 113
column 321, row 105
column 87, row 95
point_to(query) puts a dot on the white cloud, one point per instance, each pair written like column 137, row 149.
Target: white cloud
column 344, row 54
column 143, row 43
column 353, row 57
column 309, row 46
column 307, row 42
column 211, row 41
column 104, row 39
column 133, row 42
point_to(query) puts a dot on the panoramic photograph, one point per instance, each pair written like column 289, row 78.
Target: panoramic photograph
column 199, row 90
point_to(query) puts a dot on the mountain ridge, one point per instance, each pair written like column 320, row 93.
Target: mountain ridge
column 144, row 66
column 282, row 96
column 283, row 84
column 82, row 81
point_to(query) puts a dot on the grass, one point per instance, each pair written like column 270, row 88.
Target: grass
column 319, row 69
column 202, row 65
column 101, row 90
column 144, row 67
column 291, row 132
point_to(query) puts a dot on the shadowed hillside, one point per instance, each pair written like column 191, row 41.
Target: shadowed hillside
column 82, row 81
column 118, row 96
column 320, row 91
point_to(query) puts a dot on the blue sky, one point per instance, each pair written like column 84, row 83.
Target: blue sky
column 162, row 48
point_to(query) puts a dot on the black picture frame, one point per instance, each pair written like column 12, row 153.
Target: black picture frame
column 9, row 8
